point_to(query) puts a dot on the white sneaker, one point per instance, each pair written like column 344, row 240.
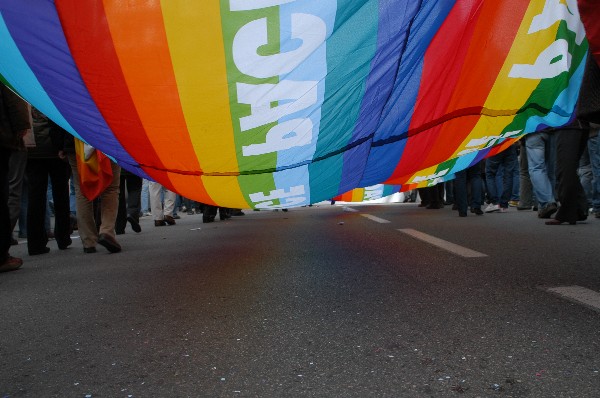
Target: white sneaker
column 491, row 208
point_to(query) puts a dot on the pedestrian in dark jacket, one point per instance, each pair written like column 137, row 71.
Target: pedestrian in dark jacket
column 14, row 123
column 43, row 161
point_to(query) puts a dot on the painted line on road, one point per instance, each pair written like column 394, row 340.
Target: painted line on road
column 579, row 295
column 350, row 209
column 443, row 244
column 376, row 219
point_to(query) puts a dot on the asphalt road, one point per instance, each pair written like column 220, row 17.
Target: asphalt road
column 317, row 302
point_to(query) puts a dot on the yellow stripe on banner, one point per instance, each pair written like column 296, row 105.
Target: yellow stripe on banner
column 358, row 195
column 195, row 40
column 508, row 92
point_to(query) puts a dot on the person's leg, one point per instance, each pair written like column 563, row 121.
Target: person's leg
column 586, row 176
column 86, row 223
column 516, row 186
column 460, row 192
column 474, row 177
column 525, row 187
column 155, row 202
column 570, row 144
column 508, row 158
column 491, row 169
column 145, row 197
column 538, row 173
column 170, row 198
column 109, row 203
column 16, row 177
column 121, row 221
column 37, row 179
column 594, row 150
column 5, row 230
column 134, row 195
column 59, row 174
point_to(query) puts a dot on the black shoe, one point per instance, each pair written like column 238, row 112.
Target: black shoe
column 119, row 232
column 239, row 213
column 36, row 252
column 462, row 214
column 109, row 242
column 135, row 225
column 13, row 242
column 89, row 249
column 207, row 219
column 65, row 245
column 477, row 211
column 176, row 217
column 523, row 207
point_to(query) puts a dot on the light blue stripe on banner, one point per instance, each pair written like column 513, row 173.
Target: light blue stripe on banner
column 312, row 69
column 14, row 68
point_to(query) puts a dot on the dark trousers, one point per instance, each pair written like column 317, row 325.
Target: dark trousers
column 472, row 174
column 38, row 171
column 5, row 230
column 130, row 200
column 570, row 144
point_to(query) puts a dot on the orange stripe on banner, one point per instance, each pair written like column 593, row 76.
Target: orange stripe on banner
column 141, row 44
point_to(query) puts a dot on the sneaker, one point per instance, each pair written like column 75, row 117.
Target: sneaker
column 548, row 210
column 513, row 203
column 10, row 264
column 491, row 208
column 176, row 217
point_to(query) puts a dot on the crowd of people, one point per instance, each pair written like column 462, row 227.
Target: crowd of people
column 554, row 171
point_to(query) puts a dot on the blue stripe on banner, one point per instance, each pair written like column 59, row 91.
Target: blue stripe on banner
column 14, row 68
column 397, row 114
column 394, row 24
column 32, row 28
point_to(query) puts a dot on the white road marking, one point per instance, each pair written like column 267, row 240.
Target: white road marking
column 376, row 219
column 578, row 294
column 443, row 244
column 349, row 209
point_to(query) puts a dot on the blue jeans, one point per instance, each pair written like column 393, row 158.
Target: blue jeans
column 594, row 151
column 507, row 159
column 541, row 158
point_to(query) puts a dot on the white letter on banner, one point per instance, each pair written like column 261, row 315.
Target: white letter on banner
column 308, row 28
column 543, row 68
column 296, row 96
column 246, row 5
column 286, row 135
column 267, row 201
column 555, row 11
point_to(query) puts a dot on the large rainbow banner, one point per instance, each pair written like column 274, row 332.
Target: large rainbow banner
column 282, row 103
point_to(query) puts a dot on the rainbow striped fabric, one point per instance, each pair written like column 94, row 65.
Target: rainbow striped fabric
column 282, row 103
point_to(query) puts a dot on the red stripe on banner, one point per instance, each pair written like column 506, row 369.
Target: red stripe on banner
column 457, row 79
column 90, row 42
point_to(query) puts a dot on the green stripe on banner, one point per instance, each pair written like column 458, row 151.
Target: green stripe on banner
column 236, row 23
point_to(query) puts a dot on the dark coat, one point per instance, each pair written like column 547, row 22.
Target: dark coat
column 14, row 118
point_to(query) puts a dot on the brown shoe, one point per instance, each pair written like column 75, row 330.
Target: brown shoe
column 109, row 242
column 11, row 264
column 170, row 220
column 159, row 223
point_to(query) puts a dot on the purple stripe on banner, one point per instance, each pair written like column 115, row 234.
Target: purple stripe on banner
column 394, row 24
column 390, row 136
column 57, row 73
